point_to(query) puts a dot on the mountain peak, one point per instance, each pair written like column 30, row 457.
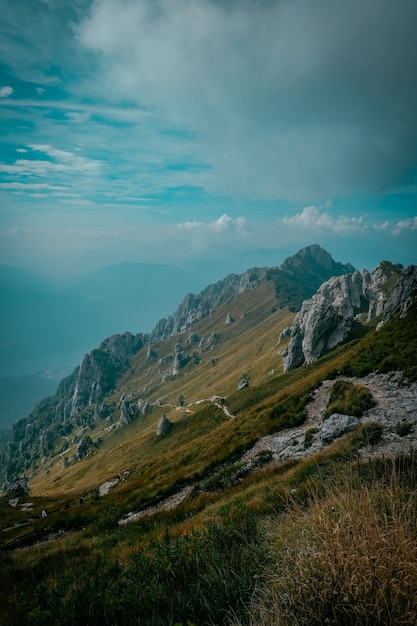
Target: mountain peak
column 300, row 275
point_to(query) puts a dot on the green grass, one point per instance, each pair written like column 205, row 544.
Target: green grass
column 349, row 398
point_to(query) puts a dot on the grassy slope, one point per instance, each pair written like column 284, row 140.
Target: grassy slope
column 193, row 554
column 248, row 345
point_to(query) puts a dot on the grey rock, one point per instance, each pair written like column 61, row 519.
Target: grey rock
column 336, row 426
column 403, row 295
column 325, row 320
column 163, row 426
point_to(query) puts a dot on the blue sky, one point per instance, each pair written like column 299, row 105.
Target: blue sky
column 177, row 130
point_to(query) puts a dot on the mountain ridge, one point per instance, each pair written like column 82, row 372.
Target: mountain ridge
column 89, row 397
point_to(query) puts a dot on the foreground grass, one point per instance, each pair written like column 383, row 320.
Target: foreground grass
column 349, row 557
column 321, row 541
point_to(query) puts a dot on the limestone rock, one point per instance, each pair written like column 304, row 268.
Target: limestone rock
column 403, row 295
column 163, row 426
column 325, row 320
column 336, row 426
column 242, row 384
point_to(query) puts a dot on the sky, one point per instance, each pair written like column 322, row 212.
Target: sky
column 173, row 131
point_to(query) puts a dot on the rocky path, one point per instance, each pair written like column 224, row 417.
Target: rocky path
column 396, row 404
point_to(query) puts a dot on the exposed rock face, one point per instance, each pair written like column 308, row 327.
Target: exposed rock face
column 53, row 417
column 336, row 426
column 403, row 294
column 163, row 426
column 326, row 320
column 195, row 307
column 100, row 368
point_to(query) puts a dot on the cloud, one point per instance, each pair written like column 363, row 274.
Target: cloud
column 79, row 118
column 312, row 217
column 223, row 224
column 286, row 100
column 5, row 92
column 63, row 161
column 405, row 225
column 29, row 186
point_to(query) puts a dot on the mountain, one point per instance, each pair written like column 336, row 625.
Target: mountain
column 175, row 474
column 179, row 344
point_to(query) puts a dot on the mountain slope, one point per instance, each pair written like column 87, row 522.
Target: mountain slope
column 225, row 336
column 170, row 528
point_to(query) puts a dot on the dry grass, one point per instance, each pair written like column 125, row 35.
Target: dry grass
column 350, row 558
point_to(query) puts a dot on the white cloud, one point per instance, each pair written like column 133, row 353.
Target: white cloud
column 5, row 91
column 405, row 225
column 29, row 186
column 312, row 217
column 223, row 224
column 79, row 118
column 64, row 162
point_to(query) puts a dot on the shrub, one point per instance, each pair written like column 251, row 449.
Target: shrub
column 349, row 399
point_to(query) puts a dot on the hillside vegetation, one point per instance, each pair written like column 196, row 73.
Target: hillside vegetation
column 252, row 508
column 304, row 542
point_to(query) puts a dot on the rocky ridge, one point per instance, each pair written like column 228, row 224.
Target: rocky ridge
column 343, row 302
column 83, row 397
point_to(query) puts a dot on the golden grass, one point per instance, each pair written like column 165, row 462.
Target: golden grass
column 347, row 558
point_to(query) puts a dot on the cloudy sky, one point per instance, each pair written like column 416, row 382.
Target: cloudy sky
column 175, row 130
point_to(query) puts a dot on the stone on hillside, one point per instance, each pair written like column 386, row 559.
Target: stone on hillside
column 19, row 487
column 84, row 448
column 229, row 319
column 163, row 426
column 336, row 426
column 242, row 384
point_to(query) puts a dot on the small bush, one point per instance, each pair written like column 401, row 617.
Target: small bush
column 349, row 399
column 403, row 429
column 309, row 437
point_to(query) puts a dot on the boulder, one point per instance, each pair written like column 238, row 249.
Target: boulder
column 336, row 426
column 163, row 426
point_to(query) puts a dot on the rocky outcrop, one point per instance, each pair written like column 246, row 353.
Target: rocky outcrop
column 163, row 426
column 336, row 426
column 196, row 307
column 99, row 371
column 403, row 295
column 325, row 320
